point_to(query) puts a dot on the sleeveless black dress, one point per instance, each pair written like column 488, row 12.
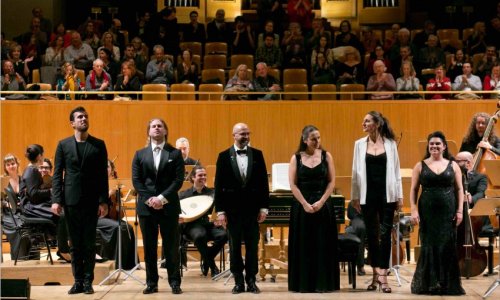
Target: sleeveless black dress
column 437, row 269
column 312, row 240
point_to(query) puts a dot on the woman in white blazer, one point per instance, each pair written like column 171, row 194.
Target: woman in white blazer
column 377, row 191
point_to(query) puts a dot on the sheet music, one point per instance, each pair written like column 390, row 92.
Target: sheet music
column 280, row 177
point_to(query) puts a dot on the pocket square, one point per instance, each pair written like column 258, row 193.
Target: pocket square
column 170, row 160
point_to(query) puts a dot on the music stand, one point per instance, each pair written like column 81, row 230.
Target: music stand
column 118, row 183
column 487, row 207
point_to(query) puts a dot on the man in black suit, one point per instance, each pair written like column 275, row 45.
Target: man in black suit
column 218, row 30
column 242, row 202
column 201, row 230
column 157, row 175
column 80, row 186
column 182, row 144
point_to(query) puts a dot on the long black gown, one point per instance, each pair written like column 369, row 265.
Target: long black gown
column 312, row 240
column 437, row 269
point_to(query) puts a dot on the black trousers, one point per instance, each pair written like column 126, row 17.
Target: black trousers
column 379, row 222
column 169, row 230
column 201, row 233
column 82, row 221
column 243, row 228
column 358, row 228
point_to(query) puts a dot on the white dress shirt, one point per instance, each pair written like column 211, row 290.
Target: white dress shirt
column 157, row 158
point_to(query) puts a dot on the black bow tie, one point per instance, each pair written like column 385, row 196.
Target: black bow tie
column 240, row 152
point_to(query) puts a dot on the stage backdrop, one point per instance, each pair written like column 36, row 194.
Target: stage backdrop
column 275, row 126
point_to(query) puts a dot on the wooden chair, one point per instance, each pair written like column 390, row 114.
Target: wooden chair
column 155, row 87
column 239, row 59
column 352, row 87
column 466, row 32
column 43, row 86
column 291, row 76
column 182, row 87
column 447, row 34
column 196, row 59
column 35, row 76
column 295, row 87
column 195, row 47
column 428, row 71
column 276, row 73
column 330, row 88
column 215, row 61
column 217, row 88
column 413, row 32
column 233, row 71
column 215, row 48
column 210, row 74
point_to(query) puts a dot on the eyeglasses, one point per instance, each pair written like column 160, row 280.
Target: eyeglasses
column 44, row 168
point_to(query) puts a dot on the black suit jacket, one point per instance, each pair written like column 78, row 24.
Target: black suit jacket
column 232, row 194
column 190, row 161
column 167, row 181
column 477, row 186
column 75, row 181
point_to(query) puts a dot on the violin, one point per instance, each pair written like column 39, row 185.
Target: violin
column 114, row 206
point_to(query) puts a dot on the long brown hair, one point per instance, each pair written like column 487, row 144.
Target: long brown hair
column 472, row 135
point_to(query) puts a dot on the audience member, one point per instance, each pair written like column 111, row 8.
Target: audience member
column 194, row 31
column 218, row 30
column 130, row 53
column 295, row 57
column 271, row 11
column 439, row 83
column 240, row 82
column 20, row 66
column 60, row 30
column 68, row 80
column 54, row 55
column 379, row 54
column 408, row 82
column 45, row 24
column 370, row 40
column 128, row 80
column 243, row 37
column 456, row 63
column 108, row 43
column 322, row 71
column 487, row 62
column 110, row 65
column 380, row 81
column 431, row 55
column 323, row 47
column 300, row 11
column 292, row 36
column 421, row 39
column 90, row 36
column 159, row 69
column 171, row 40
column 403, row 40
column 391, row 40
column 318, row 31
column 266, row 83
column 99, row 80
column 269, row 53
column 11, row 81
column 467, row 82
column 350, row 70
column 268, row 28
column 492, row 82
column 118, row 36
column 348, row 38
column 187, row 69
column 141, row 48
column 476, row 43
column 78, row 53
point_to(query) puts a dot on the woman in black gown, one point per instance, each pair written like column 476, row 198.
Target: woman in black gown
column 474, row 136
column 312, row 240
column 439, row 212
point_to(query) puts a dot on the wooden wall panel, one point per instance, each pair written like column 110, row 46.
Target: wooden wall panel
column 275, row 126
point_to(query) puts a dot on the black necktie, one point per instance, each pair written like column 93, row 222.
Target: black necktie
column 240, row 152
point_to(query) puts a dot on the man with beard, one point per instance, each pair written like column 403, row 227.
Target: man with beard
column 80, row 187
column 242, row 202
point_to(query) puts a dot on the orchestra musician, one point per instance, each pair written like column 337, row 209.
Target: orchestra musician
column 182, row 144
column 80, row 186
column 474, row 136
column 201, row 230
column 242, row 202
column 157, row 175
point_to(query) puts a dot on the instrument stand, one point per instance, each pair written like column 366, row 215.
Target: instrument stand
column 136, row 251
column 396, row 268
column 225, row 274
column 119, row 270
column 486, row 207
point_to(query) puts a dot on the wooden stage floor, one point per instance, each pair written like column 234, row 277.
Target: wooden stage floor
column 197, row 287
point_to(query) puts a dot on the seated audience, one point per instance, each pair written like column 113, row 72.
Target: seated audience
column 269, row 53
column 243, row 41
column 68, row 80
column 218, row 30
column 11, row 81
column 300, row 11
column 141, row 49
column 202, row 230
column 266, row 83
column 431, row 55
column 439, row 83
column 370, row 40
column 79, row 54
column 318, row 31
column 402, row 40
column 323, row 46
column 351, row 69
column 476, row 42
column 20, row 66
column 99, row 80
column 467, row 82
column 240, row 83
column 492, row 82
column 420, row 40
column 268, row 28
column 110, row 65
column 348, row 38
column 456, row 64
column 389, row 41
column 108, row 43
column 396, row 63
column 60, row 31
column 487, row 62
column 292, row 36
column 322, row 71
column 379, row 54
column 194, row 31
column 381, row 81
column 159, row 69
column 187, row 69
column 128, row 80
column 90, row 36
column 408, row 82
column 130, row 53
column 295, row 57
column 54, row 55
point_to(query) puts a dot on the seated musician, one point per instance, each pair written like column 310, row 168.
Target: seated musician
column 474, row 136
column 477, row 183
column 182, row 144
column 358, row 228
column 201, row 231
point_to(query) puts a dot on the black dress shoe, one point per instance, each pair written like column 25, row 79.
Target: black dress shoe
column 87, row 288
column 214, row 271
column 253, row 288
column 238, row 289
column 176, row 289
column 361, row 272
column 150, row 289
column 77, row 288
column 204, row 268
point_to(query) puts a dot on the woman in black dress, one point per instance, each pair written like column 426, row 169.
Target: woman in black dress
column 312, row 240
column 439, row 212
column 475, row 133
column 376, row 190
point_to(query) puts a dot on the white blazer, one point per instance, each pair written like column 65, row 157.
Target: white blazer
column 393, row 186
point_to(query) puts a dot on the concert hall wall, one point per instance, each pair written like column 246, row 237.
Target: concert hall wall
column 275, row 126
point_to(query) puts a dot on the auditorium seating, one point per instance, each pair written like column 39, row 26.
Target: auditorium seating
column 215, row 48
column 330, row 88
column 295, row 87
column 195, row 47
column 352, row 87
column 239, row 59
column 215, row 61
column 217, row 88
column 182, row 87
column 154, row 87
column 293, row 76
column 211, row 75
